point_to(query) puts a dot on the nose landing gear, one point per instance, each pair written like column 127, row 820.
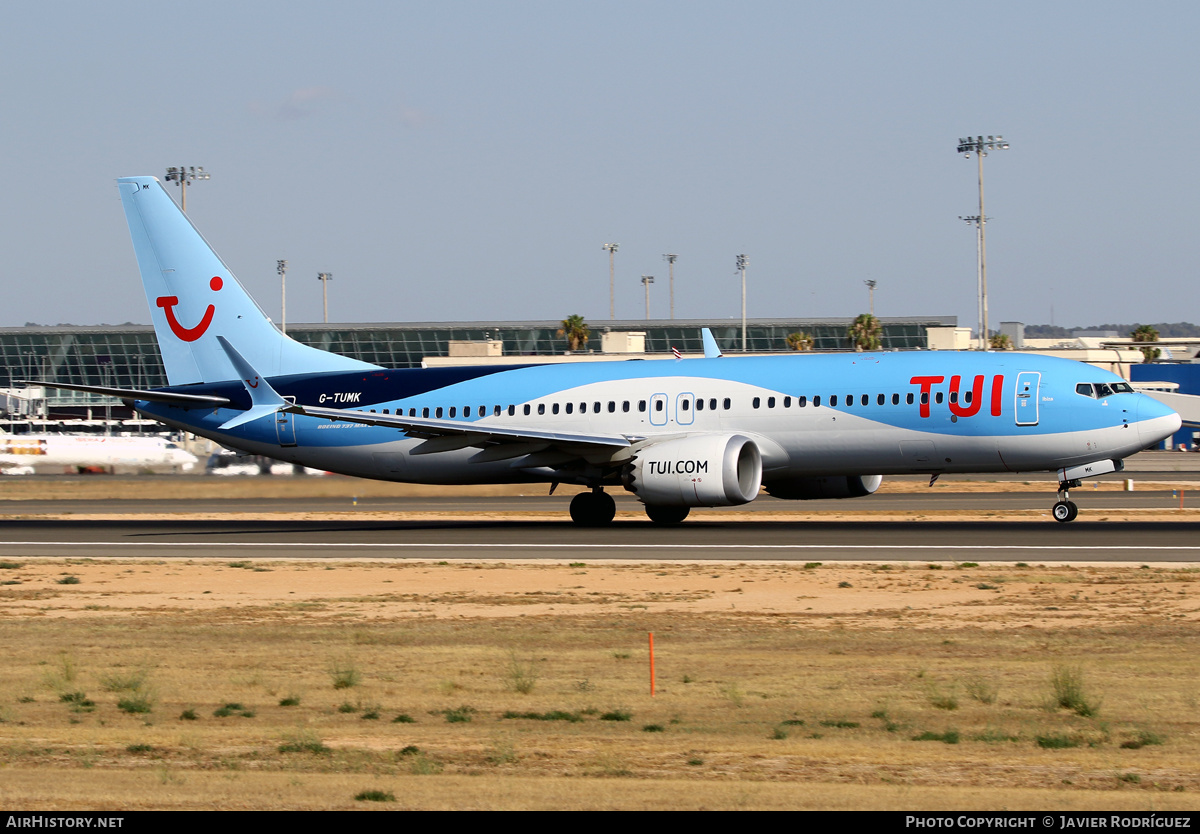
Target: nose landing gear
column 1066, row 510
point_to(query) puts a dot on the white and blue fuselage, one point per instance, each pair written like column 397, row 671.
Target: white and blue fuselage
column 677, row 433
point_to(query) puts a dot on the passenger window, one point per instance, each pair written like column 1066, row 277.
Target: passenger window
column 424, row 412
column 453, row 411
column 849, row 400
column 895, row 399
column 833, row 401
column 570, row 408
column 438, row 412
column 865, row 399
column 817, row 401
column 512, row 410
column 641, row 405
column 954, row 396
column 496, row 413
column 937, row 398
column 770, row 402
column 683, row 405
column 554, row 408
column 881, row 399
column 595, row 408
column 658, row 405
column 412, row 412
column 527, row 409
column 801, row 401
column 967, row 396
column 756, row 402
column 625, row 406
column 699, row 404
column 466, row 411
column 909, row 399
column 924, row 398
column 712, row 404
column 727, row 404
column 612, row 406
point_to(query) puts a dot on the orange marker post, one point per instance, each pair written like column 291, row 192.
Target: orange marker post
column 651, row 664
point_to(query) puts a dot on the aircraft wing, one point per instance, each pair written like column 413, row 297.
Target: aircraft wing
column 499, row 442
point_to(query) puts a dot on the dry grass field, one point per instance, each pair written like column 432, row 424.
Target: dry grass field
column 305, row 684
column 296, row 684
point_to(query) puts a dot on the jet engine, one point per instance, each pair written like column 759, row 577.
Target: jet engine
column 824, row 486
column 708, row 470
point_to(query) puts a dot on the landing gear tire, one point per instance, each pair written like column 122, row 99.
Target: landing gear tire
column 593, row 509
column 661, row 514
column 1065, row 511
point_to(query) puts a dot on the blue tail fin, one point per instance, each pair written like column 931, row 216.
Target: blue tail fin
column 194, row 298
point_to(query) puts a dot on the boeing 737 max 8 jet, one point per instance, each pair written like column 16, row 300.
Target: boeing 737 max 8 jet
column 676, row 433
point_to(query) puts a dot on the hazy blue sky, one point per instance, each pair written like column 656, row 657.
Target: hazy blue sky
column 467, row 160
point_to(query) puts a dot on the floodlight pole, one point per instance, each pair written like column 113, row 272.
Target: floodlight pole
column 980, row 146
column 671, row 265
column 281, row 268
column 647, row 280
column 742, row 262
column 325, row 278
column 871, row 285
column 974, row 219
column 611, row 248
column 181, row 176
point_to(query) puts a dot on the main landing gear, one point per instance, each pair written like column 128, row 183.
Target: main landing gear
column 1065, row 510
column 593, row 509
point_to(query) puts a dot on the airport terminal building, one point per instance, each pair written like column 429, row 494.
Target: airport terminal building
column 126, row 356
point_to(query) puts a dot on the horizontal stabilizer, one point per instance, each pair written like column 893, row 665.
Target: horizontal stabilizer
column 168, row 397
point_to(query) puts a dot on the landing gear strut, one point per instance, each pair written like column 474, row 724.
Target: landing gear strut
column 1065, row 510
column 593, row 509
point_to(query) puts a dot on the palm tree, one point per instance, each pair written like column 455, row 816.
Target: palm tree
column 800, row 341
column 576, row 331
column 1146, row 333
column 1001, row 341
column 865, row 332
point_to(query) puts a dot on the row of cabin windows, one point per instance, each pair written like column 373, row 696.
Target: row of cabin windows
column 684, row 405
column 556, row 408
column 863, row 399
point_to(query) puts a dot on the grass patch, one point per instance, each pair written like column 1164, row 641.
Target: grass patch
column 552, row 715
column 981, row 689
column 345, row 676
column 138, row 703
column 1068, row 691
column 404, row 718
column 290, row 701
column 520, row 676
column 948, row 737
column 233, row 709
column 304, row 741
column 69, row 580
column 459, row 715
column 78, row 701
column 375, row 796
column 1057, row 741
column 617, row 715
column 654, row 728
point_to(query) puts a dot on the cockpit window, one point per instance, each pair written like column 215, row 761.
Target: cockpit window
column 1100, row 390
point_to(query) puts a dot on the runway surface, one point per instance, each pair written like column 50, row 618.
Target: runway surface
column 709, row 537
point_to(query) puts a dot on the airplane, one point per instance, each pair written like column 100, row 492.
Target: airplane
column 23, row 454
column 677, row 433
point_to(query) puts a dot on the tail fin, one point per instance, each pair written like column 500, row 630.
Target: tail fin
column 194, row 298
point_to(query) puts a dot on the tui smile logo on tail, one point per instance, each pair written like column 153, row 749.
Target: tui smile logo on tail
column 188, row 334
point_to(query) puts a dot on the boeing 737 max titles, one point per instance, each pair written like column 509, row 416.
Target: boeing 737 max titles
column 676, row 433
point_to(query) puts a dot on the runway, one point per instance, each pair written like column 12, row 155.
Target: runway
column 707, row 538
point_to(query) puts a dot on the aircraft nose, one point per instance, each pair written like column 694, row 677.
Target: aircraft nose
column 1155, row 421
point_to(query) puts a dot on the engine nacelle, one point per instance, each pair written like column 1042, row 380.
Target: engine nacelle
column 824, row 486
column 709, row 470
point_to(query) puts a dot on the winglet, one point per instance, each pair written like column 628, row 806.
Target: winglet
column 711, row 351
column 264, row 399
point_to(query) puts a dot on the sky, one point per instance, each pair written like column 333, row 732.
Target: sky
column 468, row 160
